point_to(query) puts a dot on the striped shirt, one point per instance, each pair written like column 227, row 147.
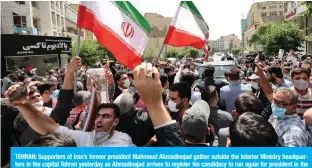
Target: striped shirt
column 304, row 102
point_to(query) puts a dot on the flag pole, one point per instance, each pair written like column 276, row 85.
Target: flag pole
column 77, row 54
column 161, row 49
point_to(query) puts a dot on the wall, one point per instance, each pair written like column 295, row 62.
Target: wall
column 7, row 9
column 45, row 18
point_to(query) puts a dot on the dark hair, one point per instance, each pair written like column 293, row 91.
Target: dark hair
column 298, row 71
column 209, row 94
column 163, row 79
column 183, row 89
column 110, row 105
column 32, row 91
column 53, row 140
column 21, row 78
column 118, row 75
column 276, row 70
column 44, row 87
column 130, row 74
column 252, row 130
column 188, row 78
column 248, row 102
column 233, row 74
column 286, row 68
column 209, row 71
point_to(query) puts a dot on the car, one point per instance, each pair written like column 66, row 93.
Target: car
column 220, row 68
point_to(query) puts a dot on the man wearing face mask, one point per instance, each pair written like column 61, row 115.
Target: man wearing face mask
column 104, row 133
column 257, row 90
column 300, row 78
column 123, row 83
column 289, row 127
column 45, row 91
column 286, row 73
column 275, row 76
column 179, row 97
column 307, row 66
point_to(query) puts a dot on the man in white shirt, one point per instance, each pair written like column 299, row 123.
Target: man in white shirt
column 104, row 133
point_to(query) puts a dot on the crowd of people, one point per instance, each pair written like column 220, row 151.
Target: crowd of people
column 264, row 102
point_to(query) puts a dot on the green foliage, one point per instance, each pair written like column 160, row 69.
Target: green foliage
column 273, row 37
column 308, row 4
column 236, row 50
column 172, row 53
column 148, row 54
column 90, row 52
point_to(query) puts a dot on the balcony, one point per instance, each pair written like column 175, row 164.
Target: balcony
column 25, row 31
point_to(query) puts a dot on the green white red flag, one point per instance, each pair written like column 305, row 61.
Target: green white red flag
column 118, row 26
column 188, row 28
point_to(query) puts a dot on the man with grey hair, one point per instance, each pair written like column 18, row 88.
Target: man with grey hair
column 134, row 121
column 289, row 127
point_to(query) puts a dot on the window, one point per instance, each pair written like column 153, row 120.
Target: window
column 34, row 4
column 273, row 13
column 20, row 2
column 281, row 12
column 19, row 21
column 53, row 18
column 273, row 7
column 58, row 20
column 263, row 7
column 263, row 14
column 281, row 6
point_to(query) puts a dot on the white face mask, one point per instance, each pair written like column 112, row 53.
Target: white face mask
column 172, row 106
column 126, row 83
column 301, row 84
column 255, row 85
column 38, row 104
column 100, row 137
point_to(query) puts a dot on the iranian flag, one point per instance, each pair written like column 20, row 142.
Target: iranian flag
column 188, row 28
column 206, row 51
column 118, row 26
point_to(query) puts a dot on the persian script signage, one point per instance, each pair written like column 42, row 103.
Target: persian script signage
column 19, row 45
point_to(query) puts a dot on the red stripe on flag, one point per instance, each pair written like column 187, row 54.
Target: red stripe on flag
column 124, row 54
column 178, row 38
column 206, row 54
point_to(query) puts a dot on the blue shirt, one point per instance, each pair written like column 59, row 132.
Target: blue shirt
column 229, row 93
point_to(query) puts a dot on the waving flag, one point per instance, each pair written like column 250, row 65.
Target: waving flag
column 206, row 51
column 188, row 28
column 118, row 26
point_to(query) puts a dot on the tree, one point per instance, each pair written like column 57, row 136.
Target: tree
column 273, row 37
column 148, row 54
column 308, row 4
column 172, row 53
column 236, row 51
column 90, row 52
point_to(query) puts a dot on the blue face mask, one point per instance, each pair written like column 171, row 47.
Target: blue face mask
column 161, row 71
column 279, row 112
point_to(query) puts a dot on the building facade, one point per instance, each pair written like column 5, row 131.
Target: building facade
column 243, row 29
column 293, row 12
column 46, row 18
column 261, row 13
column 36, row 18
column 225, row 43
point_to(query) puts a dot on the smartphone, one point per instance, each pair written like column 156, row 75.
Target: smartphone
column 19, row 92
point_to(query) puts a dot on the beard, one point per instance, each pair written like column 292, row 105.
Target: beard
column 272, row 80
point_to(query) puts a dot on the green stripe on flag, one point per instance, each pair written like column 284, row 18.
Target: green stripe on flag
column 190, row 6
column 127, row 8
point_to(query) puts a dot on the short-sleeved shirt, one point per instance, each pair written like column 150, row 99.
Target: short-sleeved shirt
column 85, row 139
column 291, row 131
column 304, row 102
